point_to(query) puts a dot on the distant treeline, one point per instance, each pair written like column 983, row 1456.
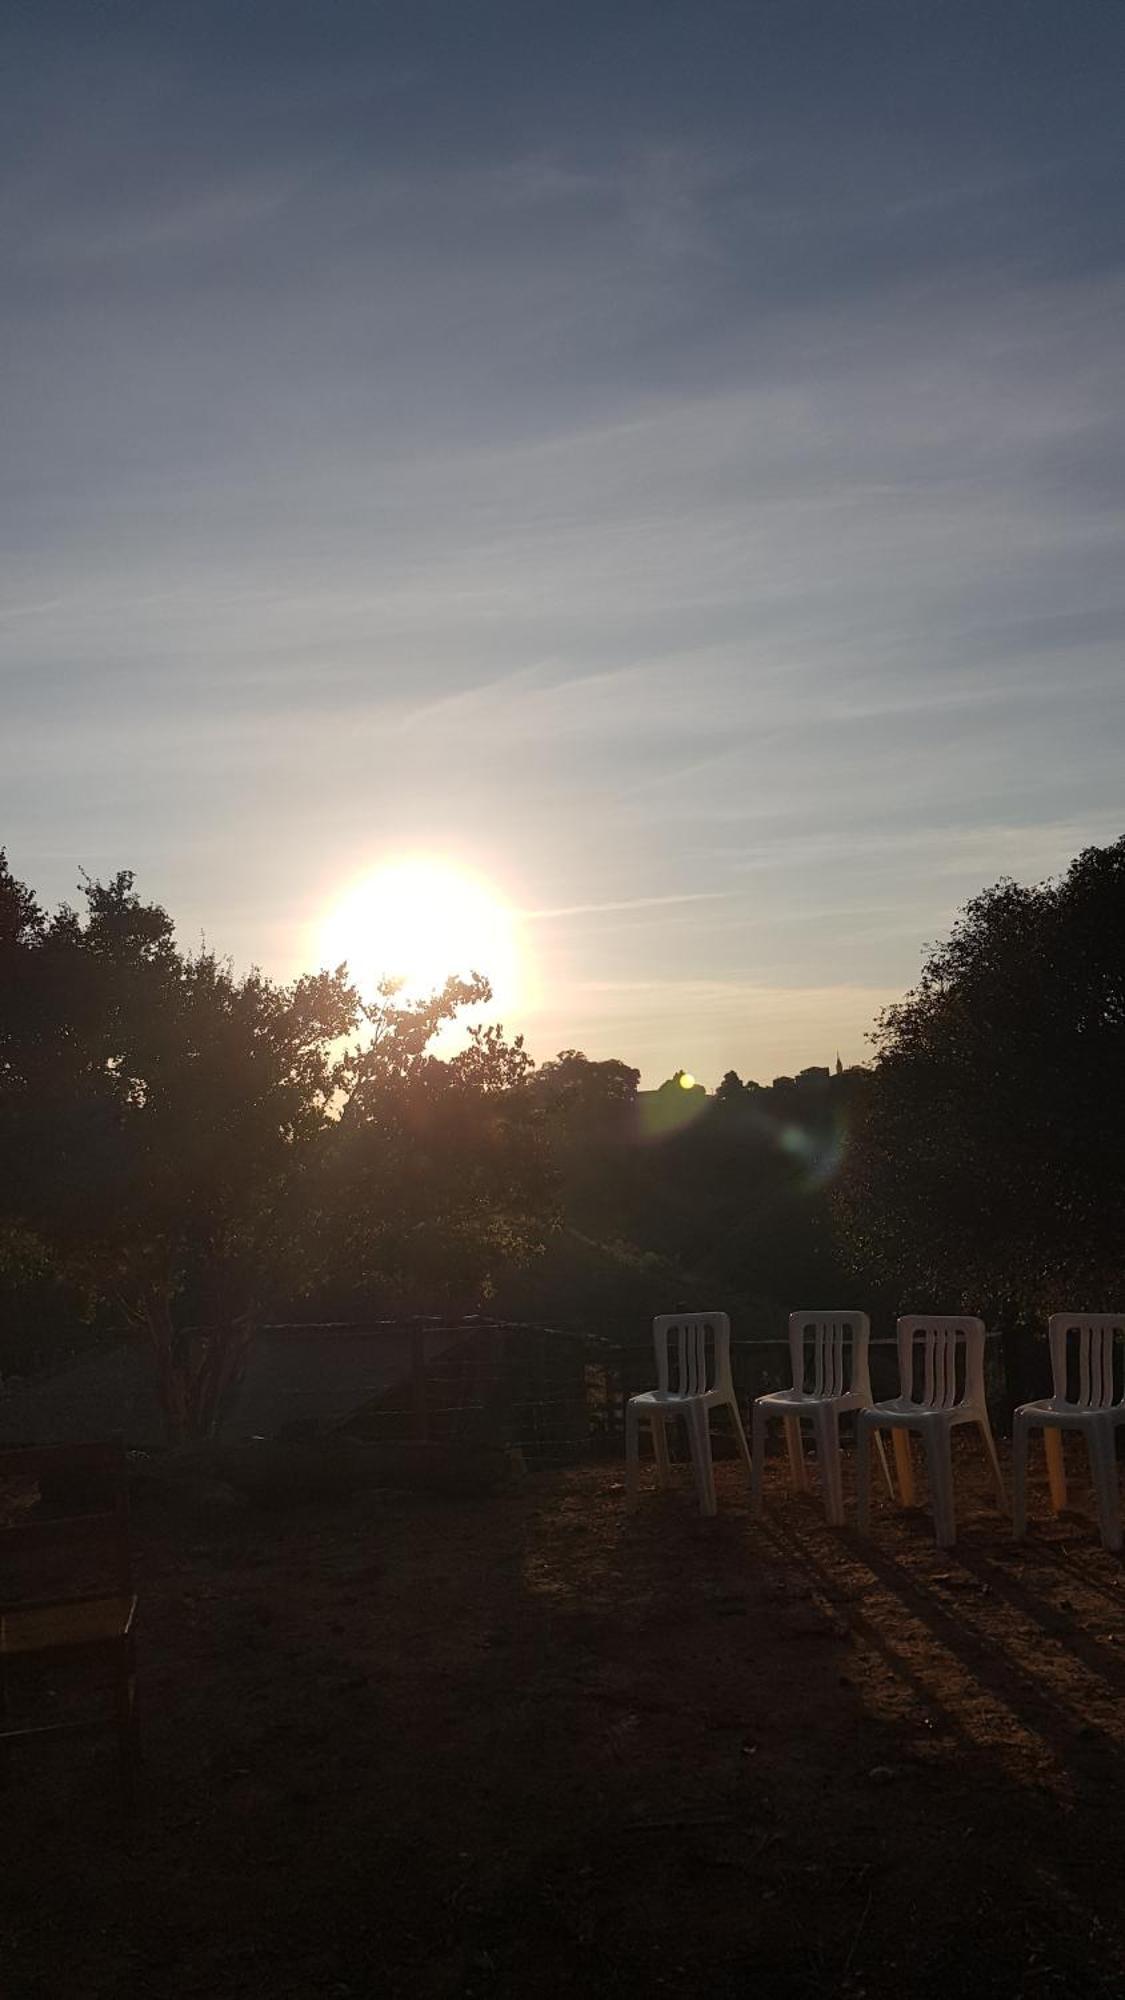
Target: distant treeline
column 184, row 1152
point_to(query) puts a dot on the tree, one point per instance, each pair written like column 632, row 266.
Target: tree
column 159, row 1121
column 985, row 1167
column 197, row 1146
column 578, row 1090
column 439, row 1173
column 731, row 1089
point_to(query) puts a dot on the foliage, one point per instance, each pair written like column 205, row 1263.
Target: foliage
column 986, row 1167
column 196, row 1146
column 725, row 1201
column 159, row 1118
column 439, row 1174
column 593, row 1286
column 581, row 1093
column 200, row 1147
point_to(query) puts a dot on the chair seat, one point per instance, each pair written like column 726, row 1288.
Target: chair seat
column 670, row 1399
column 902, row 1414
column 49, row 1628
column 1048, row 1411
column 795, row 1401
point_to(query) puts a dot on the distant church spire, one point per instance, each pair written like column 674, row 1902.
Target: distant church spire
column 839, row 1064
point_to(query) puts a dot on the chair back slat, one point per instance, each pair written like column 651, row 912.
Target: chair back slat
column 829, row 1353
column 692, row 1353
column 952, row 1360
column 1088, row 1359
column 928, row 1365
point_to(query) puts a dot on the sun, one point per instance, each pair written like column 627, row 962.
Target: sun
column 418, row 921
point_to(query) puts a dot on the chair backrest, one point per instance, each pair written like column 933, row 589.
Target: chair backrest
column 692, row 1352
column 62, row 1505
column 950, row 1351
column 829, row 1353
column 1088, row 1359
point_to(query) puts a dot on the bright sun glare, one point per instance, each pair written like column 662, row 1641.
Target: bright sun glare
column 418, row 921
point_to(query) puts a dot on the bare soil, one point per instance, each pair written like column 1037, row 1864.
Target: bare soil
column 540, row 1745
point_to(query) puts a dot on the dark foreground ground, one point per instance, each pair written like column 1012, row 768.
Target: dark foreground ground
column 536, row 1745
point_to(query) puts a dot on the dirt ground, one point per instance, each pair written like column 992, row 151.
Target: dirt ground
column 540, row 1745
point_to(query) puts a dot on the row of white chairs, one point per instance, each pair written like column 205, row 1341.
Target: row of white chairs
column 941, row 1385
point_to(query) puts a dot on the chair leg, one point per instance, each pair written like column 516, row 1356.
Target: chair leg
column 1020, row 1432
column 740, row 1436
column 863, row 1430
column 660, row 1451
column 882, row 1451
column 939, row 1465
column 757, row 1455
column 1103, row 1464
column 1056, row 1466
column 699, row 1434
column 826, row 1429
column 904, row 1467
column 632, row 1452
column 985, row 1429
column 798, row 1471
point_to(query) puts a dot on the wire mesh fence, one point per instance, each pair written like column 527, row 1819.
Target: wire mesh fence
column 549, row 1392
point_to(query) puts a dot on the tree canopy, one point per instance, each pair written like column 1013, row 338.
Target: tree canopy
column 158, row 1118
column 194, row 1149
column 986, row 1164
column 195, row 1145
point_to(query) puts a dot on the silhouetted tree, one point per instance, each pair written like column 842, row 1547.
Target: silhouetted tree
column 572, row 1087
column 731, row 1089
column 439, row 1172
column 986, row 1165
column 158, row 1122
column 197, row 1146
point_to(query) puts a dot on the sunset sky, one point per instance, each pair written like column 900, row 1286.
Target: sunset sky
column 666, row 460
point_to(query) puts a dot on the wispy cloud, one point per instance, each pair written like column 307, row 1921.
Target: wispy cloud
column 627, row 903
column 698, row 505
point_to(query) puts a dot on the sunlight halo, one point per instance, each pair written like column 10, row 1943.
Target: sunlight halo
column 419, row 920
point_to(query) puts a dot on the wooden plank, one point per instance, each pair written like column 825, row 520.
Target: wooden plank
column 419, row 1387
column 61, row 1531
column 32, row 1461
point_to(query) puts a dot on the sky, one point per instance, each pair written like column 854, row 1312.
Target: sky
column 664, row 459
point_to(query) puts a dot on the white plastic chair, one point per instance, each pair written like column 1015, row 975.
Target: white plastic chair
column 693, row 1378
column 952, row 1392
column 1092, row 1342
column 828, row 1351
